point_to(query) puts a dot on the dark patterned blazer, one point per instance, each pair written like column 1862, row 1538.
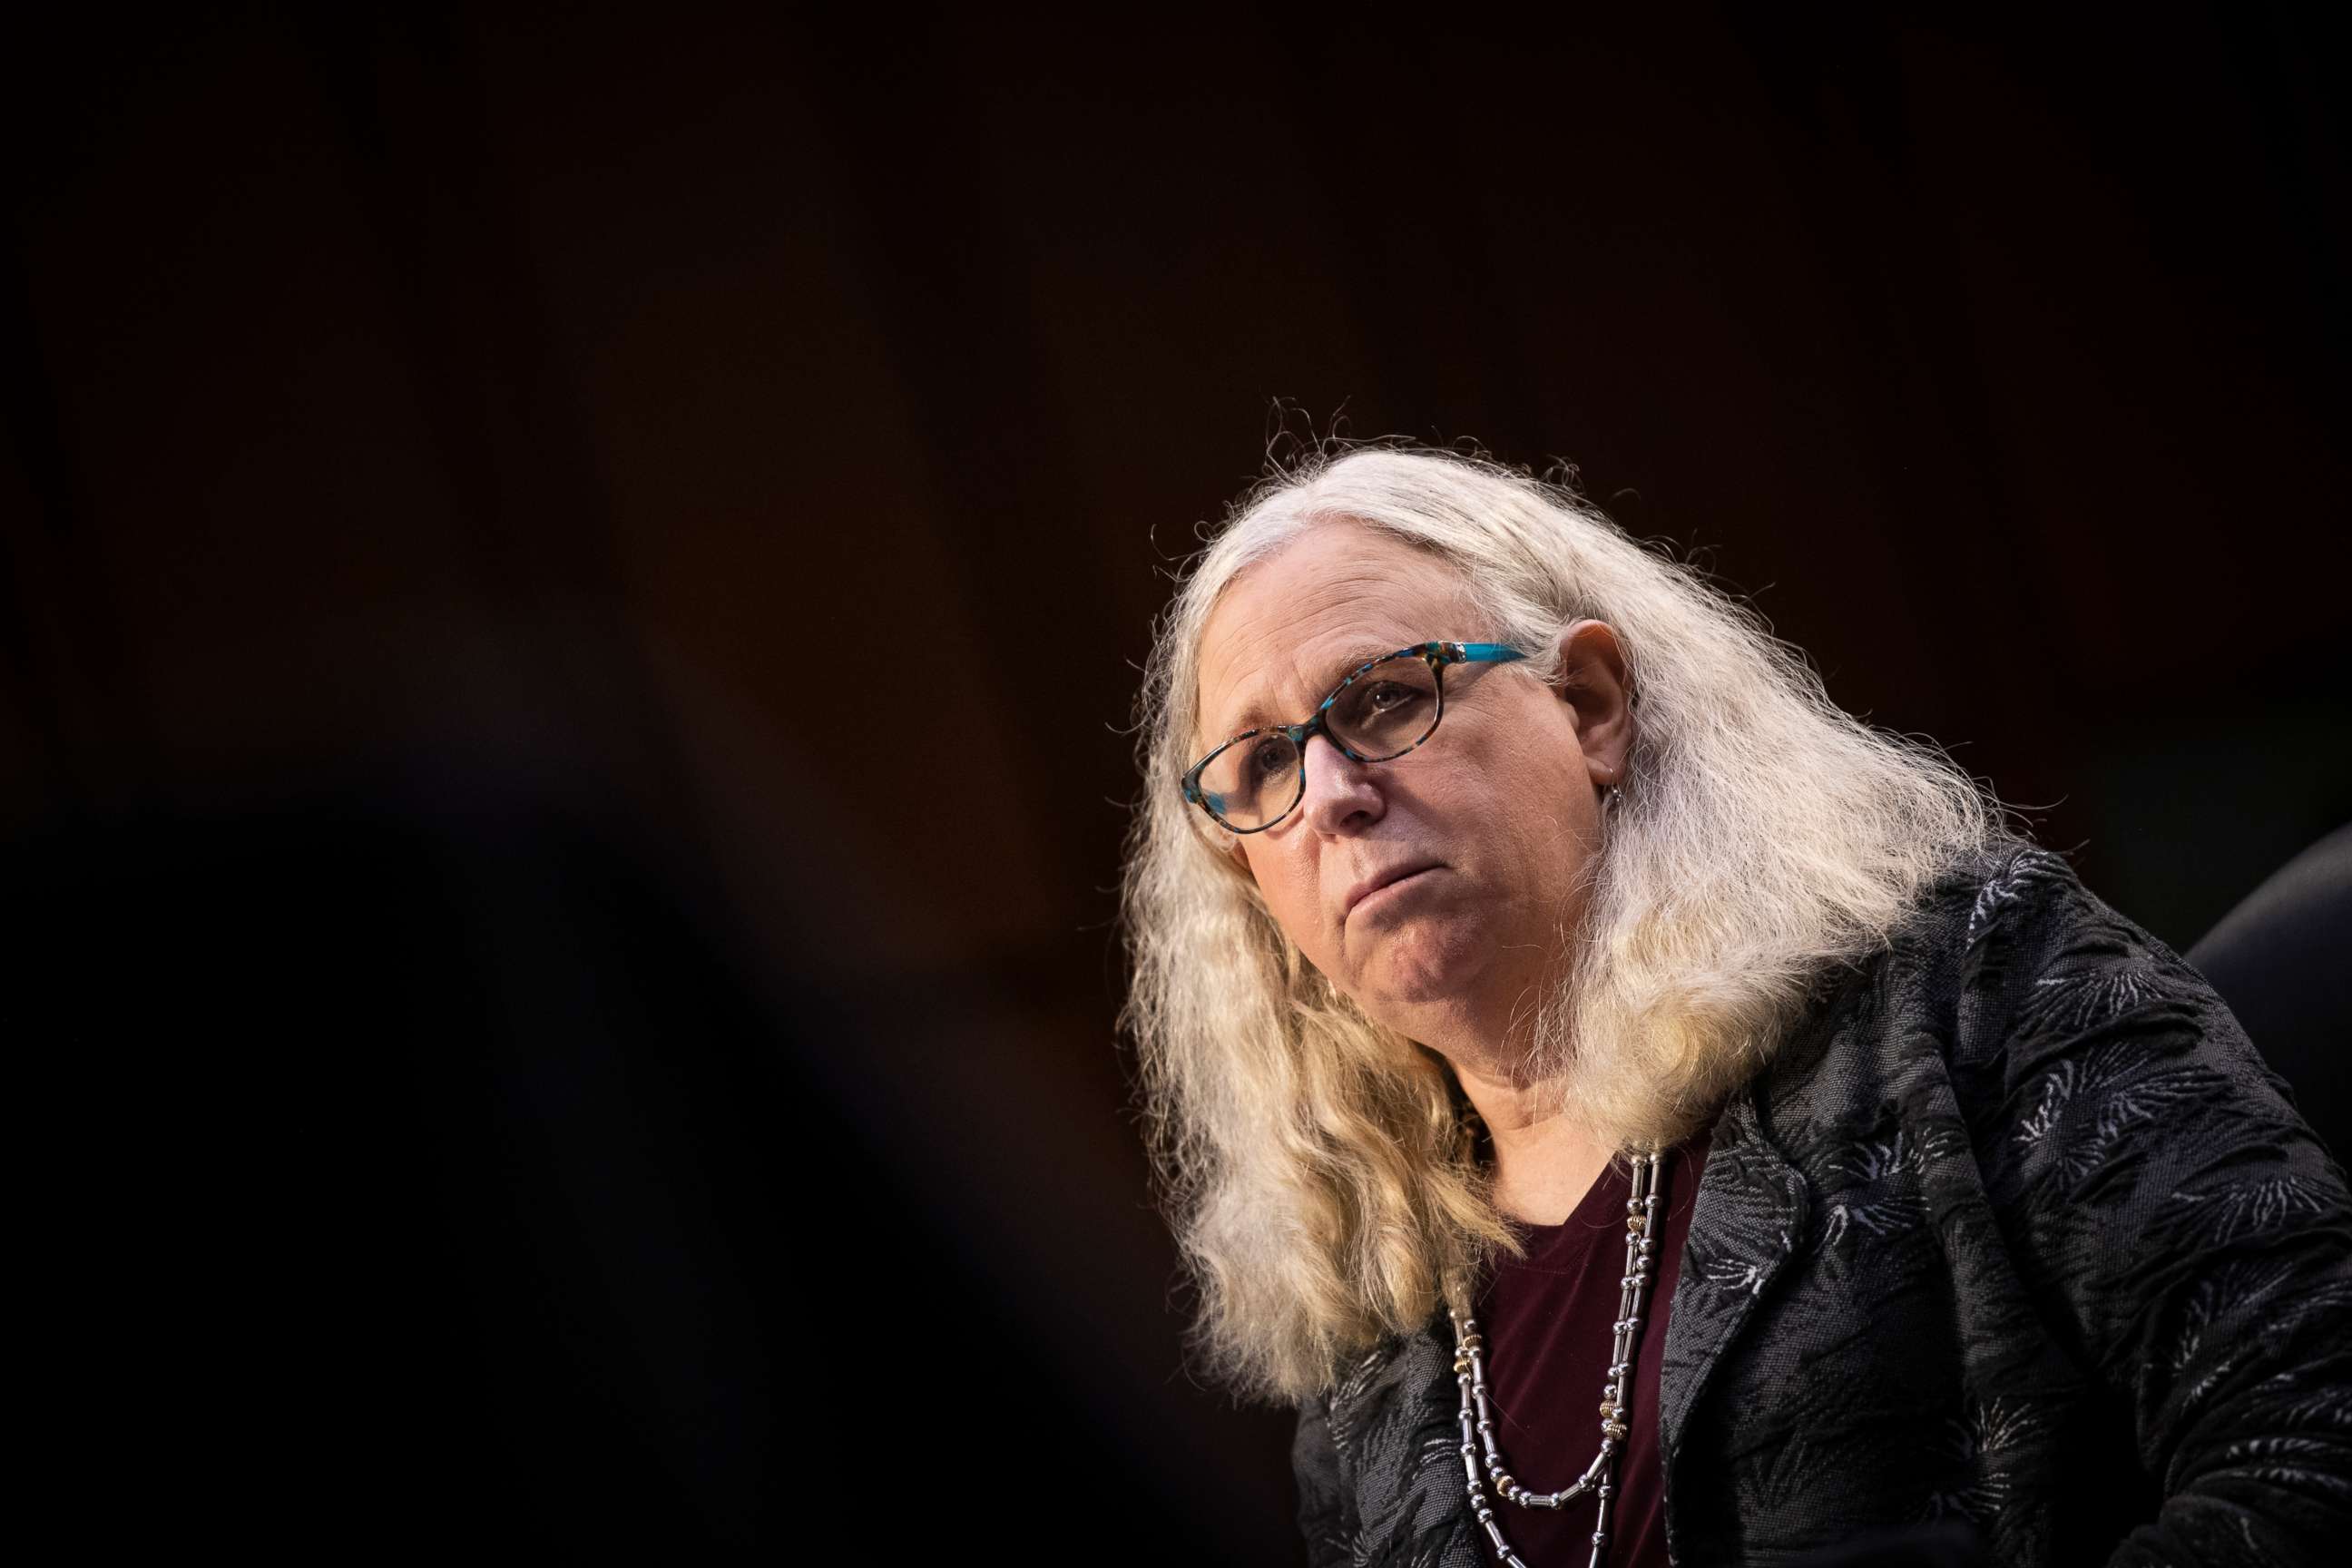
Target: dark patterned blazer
column 2016, row 1231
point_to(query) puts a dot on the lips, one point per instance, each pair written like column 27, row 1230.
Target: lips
column 1388, row 876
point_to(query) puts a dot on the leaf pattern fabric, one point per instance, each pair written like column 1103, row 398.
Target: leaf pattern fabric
column 2016, row 1233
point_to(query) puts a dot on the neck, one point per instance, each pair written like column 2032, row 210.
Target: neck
column 1544, row 1161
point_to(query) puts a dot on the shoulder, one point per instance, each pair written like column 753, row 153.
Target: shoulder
column 1994, row 909
column 2005, row 966
column 2058, row 1035
column 2009, row 943
column 2041, row 972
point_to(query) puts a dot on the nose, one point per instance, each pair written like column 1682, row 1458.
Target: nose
column 1341, row 796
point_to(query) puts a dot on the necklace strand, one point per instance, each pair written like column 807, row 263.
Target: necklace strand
column 1616, row 1394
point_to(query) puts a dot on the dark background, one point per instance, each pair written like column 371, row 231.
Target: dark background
column 573, row 585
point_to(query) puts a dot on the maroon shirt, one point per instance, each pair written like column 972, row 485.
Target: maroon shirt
column 1546, row 1322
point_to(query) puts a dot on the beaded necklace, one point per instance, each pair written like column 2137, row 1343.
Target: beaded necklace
column 1616, row 1394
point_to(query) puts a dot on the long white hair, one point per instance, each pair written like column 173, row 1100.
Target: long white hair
column 1314, row 1164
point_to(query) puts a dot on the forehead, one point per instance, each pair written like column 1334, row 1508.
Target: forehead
column 1288, row 627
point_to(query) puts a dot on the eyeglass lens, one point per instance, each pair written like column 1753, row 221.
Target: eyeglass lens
column 1384, row 712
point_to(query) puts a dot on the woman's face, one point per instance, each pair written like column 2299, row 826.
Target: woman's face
column 1439, row 890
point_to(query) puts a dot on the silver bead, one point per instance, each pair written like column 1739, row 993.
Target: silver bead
column 1634, row 1285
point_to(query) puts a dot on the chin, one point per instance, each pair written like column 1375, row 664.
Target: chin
column 1414, row 974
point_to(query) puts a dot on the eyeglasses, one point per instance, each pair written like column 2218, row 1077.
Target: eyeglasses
column 1384, row 709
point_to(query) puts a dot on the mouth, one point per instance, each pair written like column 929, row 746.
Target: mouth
column 1381, row 881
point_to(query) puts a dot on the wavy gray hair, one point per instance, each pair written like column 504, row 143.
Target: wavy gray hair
column 1316, row 1165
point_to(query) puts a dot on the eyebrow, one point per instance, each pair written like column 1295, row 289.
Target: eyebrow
column 1257, row 716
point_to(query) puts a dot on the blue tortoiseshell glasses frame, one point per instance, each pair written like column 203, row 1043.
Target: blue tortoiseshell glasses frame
column 1436, row 654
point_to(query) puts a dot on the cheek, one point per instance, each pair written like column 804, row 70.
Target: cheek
column 1540, row 791
column 1289, row 891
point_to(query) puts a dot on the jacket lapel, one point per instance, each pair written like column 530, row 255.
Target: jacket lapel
column 1400, row 1414
column 1750, row 1218
column 1394, row 1419
column 1395, row 1425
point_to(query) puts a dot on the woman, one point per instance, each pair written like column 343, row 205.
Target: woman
column 1631, row 1108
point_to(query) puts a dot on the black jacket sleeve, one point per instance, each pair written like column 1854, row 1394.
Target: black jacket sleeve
column 2181, row 1226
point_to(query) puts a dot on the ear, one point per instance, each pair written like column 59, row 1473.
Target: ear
column 1592, row 682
